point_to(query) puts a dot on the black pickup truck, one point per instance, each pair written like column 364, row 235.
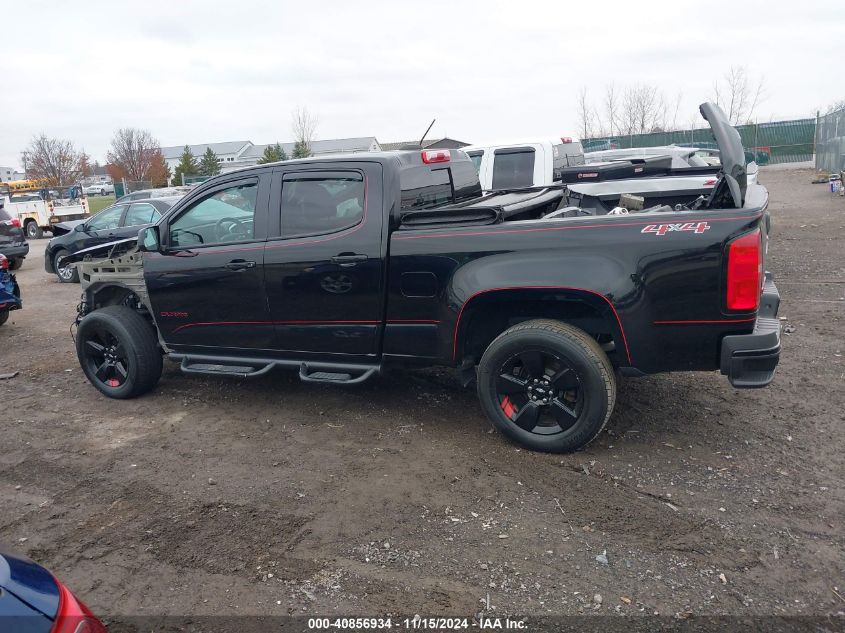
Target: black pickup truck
column 344, row 267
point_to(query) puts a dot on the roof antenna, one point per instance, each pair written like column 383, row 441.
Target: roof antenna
column 428, row 129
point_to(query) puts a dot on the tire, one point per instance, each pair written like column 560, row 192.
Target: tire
column 118, row 351
column 4, row 316
column 102, row 192
column 33, row 231
column 15, row 263
column 71, row 275
column 547, row 386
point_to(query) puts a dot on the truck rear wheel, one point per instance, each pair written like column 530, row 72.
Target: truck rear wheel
column 118, row 351
column 33, row 231
column 547, row 385
column 4, row 316
column 15, row 263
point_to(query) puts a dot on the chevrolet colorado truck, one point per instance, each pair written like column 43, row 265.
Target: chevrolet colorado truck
column 344, row 267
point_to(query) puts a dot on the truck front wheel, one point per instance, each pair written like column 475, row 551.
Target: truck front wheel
column 118, row 351
column 33, row 231
column 547, row 385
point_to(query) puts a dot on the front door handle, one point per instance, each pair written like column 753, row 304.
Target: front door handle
column 240, row 264
column 348, row 258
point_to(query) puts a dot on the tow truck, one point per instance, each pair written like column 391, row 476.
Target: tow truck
column 39, row 205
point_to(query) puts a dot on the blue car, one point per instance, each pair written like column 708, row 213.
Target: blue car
column 10, row 293
column 33, row 601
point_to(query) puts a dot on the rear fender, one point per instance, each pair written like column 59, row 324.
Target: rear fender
column 544, row 278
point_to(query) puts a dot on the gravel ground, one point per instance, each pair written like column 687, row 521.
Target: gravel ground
column 216, row 496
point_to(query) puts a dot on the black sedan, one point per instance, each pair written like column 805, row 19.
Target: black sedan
column 33, row 601
column 116, row 222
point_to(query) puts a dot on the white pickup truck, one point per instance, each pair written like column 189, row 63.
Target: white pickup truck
column 37, row 215
column 524, row 163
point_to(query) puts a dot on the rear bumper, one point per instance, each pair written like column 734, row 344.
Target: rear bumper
column 749, row 360
column 19, row 250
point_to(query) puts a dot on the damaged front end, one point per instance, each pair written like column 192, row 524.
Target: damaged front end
column 111, row 274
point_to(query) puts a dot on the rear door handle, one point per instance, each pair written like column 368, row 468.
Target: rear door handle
column 348, row 258
column 240, row 264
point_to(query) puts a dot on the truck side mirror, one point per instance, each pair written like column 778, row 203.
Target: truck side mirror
column 149, row 239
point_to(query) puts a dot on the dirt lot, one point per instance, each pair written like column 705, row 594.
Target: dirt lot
column 214, row 496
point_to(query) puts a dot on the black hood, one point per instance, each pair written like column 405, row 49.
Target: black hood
column 730, row 149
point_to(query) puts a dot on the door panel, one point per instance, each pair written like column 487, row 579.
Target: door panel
column 324, row 271
column 207, row 286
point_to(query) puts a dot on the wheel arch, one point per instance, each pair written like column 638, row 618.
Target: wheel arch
column 489, row 312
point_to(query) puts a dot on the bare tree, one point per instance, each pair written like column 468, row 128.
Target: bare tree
column 304, row 127
column 738, row 95
column 54, row 160
column 836, row 105
column 611, row 108
column 674, row 124
column 133, row 151
column 585, row 114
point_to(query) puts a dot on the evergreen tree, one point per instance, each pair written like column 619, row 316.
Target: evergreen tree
column 273, row 154
column 301, row 150
column 187, row 166
column 209, row 165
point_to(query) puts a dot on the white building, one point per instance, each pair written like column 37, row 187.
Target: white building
column 236, row 154
column 8, row 174
column 228, row 153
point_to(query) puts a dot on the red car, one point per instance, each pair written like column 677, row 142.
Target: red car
column 32, row 600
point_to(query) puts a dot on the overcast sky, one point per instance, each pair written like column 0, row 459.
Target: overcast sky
column 196, row 72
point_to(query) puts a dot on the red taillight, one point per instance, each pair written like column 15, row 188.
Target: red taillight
column 12, row 222
column 73, row 616
column 710, row 182
column 435, row 156
column 4, row 263
column 745, row 272
column 565, row 139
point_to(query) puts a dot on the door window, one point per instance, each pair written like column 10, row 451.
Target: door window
column 108, row 219
column 227, row 215
column 141, row 213
column 317, row 203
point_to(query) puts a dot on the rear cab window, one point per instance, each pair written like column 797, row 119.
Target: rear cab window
column 425, row 187
column 513, row 167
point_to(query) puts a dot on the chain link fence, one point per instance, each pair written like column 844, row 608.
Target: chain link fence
column 830, row 141
column 766, row 143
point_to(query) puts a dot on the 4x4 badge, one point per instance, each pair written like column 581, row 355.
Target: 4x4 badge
column 663, row 229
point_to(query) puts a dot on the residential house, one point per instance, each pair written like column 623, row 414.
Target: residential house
column 229, row 153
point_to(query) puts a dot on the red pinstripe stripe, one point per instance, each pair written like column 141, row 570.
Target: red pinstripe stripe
column 212, row 323
column 562, row 228
column 695, row 321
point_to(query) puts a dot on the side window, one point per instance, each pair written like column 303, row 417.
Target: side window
column 423, row 187
column 321, row 202
column 141, row 213
column 108, row 219
column 476, row 157
column 513, row 168
column 227, row 215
